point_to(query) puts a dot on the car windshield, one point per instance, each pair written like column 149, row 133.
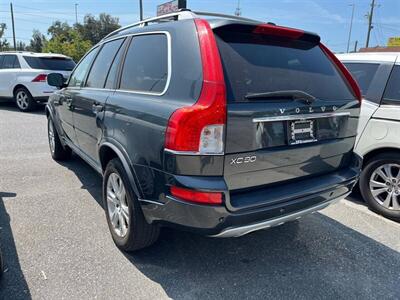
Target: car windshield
column 50, row 63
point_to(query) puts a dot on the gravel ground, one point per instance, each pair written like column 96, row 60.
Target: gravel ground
column 56, row 243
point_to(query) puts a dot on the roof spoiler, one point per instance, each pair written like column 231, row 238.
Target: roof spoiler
column 269, row 29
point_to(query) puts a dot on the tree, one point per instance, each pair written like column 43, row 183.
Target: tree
column 74, row 41
column 4, row 44
column 37, row 42
column 59, row 29
column 94, row 29
column 21, row 46
column 70, row 43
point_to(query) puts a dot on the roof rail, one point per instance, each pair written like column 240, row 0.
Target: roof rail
column 181, row 14
column 16, row 51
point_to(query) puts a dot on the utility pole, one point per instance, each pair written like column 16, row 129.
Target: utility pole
column 355, row 46
column 141, row 9
column 13, row 26
column 238, row 11
column 76, row 13
column 370, row 26
column 351, row 26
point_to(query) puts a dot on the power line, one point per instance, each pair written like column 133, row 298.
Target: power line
column 43, row 11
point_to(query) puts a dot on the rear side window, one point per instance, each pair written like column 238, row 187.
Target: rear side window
column 392, row 92
column 146, row 64
column 50, row 63
column 1, row 61
column 112, row 73
column 256, row 63
column 363, row 74
column 11, row 62
column 102, row 64
column 78, row 76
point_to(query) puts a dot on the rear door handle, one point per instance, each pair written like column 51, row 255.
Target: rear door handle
column 97, row 107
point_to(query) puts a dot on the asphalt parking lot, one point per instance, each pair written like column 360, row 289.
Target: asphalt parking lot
column 56, row 243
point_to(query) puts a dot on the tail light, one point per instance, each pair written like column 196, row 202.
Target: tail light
column 286, row 33
column 199, row 129
column 40, row 78
column 269, row 29
column 345, row 73
column 195, row 196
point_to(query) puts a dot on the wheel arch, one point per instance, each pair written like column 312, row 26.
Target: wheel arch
column 19, row 85
column 109, row 150
column 371, row 154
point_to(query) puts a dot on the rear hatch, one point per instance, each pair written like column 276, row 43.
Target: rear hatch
column 291, row 114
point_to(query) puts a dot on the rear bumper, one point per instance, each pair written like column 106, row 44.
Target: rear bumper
column 39, row 90
column 242, row 230
column 220, row 221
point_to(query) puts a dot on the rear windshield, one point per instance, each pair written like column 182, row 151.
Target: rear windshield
column 363, row 73
column 50, row 63
column 257, row 64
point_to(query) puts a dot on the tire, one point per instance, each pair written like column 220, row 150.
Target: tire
column 129, row 229
column 57, row 150
column 24, row 100
column 382, row 203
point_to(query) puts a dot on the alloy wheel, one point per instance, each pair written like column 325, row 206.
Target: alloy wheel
column 22, row 100
column 384, row 185
column 117, row 205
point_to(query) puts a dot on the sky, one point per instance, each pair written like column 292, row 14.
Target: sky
column 329, row 18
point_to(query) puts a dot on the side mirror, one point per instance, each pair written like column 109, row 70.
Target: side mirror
column 56, row 79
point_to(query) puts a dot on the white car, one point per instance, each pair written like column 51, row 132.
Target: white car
column 23, row 76
column 378, row 141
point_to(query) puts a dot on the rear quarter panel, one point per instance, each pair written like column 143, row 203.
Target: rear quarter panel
column 382, row 131
column 138, row 121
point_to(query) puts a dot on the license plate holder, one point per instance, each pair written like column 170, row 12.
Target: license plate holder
column 301, row 132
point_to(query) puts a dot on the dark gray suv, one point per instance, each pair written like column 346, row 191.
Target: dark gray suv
column 210, row 123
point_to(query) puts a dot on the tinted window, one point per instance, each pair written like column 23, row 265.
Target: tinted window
column 256, row 64
column 112, row 74
column 1, row 61
column 50, row 63
column 78, row 76
column 363, row 73
column 101, row 65
column 146, row 64
column 392, row 92
column 10, row 62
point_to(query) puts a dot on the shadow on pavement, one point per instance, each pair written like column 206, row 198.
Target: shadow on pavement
column 13, row 284
column 90, row 179
column 316, row 257
column 10, row 106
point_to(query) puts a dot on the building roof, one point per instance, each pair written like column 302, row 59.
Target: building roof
column 380, row 49
column 390, row 57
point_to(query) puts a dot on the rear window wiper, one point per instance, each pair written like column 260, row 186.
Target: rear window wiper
column 293, row 94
